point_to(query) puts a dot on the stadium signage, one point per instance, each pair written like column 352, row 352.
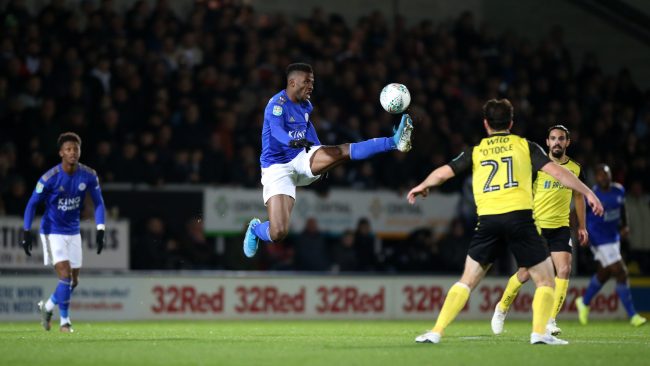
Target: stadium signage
column 228, row 210
column 186, row 299
column 155, row 297
column 114, row 256
column 269, row 299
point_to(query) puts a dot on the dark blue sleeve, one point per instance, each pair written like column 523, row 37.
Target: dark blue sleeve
column 34, row 200
column 98, row 200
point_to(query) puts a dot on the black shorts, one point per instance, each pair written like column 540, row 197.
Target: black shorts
column 558, row 239
column 515, row 229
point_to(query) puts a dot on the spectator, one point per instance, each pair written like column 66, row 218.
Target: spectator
column 149, row 253
column 310, row 248
column 200, row 250
column 344, row 256
column 364, row 244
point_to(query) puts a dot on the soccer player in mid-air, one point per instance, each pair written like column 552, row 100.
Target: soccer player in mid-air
column 292, row 155
column 63, row 189
column 551, row 208
column 502, row 165
column 605, row 239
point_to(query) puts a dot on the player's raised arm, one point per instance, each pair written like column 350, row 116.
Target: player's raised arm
column 568, row 179
column 441, row 174
column 436, row 178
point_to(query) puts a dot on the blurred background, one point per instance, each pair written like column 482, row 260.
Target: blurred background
column 168, row 97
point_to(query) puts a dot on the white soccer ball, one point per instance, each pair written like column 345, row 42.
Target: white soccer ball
column 395, row 98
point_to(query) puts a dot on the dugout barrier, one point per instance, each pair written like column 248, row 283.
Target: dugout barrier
column 231, row 295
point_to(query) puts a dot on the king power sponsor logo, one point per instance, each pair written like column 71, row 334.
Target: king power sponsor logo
column 68, row 204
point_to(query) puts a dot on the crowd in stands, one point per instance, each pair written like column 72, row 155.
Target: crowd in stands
column 158, row 98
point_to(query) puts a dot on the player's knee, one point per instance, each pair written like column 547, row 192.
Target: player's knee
column 602, row 276
column 74, row 284
column 545, row 282
column 339, row 152
column 621, row 274
column 563, row 271
column 278, row 233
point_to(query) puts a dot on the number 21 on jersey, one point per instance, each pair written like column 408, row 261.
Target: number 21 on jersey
column 494, row 165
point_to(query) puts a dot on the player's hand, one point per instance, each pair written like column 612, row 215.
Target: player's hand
column 100, row 240
column 595, row 204
column 418, row 190
column 301, row 143
column 583, row 237
column 26, row 243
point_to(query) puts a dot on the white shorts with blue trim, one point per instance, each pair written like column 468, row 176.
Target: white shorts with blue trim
column 284, row 178
column 58, row 248
column 607, row 254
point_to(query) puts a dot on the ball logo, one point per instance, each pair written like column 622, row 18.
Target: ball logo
column 82, row 186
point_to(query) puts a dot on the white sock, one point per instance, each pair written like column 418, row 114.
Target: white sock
column 65, row 321
column 49, row 305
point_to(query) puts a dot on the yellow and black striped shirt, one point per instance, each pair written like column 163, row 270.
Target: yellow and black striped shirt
column 552, row 200
column 502, row 172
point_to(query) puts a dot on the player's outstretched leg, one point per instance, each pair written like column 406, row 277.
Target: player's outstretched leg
column 46, row 316
column 251, row 241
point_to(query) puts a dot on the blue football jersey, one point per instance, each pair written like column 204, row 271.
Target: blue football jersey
column 284, row 121
column 64, row 196
column 605, row 229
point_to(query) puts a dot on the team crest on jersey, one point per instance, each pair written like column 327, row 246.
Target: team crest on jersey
column 277, row 110
column 39, row 187
column 82, row 186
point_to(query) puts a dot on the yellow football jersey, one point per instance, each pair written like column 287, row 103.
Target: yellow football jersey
column 502, row 168
column 552, row 200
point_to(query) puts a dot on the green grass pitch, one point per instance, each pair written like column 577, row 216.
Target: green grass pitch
column 312, row 343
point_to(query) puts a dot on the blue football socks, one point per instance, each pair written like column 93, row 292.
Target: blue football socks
column 262, row 231
column 62, row 295
column 365, row 149
column 623, row 291
column 592, row 290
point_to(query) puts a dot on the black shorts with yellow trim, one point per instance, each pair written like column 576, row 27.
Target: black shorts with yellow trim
column 558, row 239
column 516, row 230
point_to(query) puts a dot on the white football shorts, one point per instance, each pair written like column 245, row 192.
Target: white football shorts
column 284, row 178
column 58, row 248
column 607, row 254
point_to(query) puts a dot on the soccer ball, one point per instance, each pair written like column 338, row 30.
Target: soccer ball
column 395, row 98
